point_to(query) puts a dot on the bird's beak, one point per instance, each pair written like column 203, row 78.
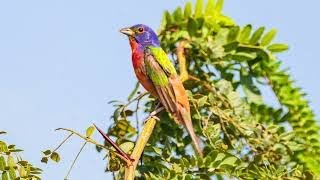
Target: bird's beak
column 127, row 31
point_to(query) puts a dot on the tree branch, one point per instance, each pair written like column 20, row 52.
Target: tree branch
column 182, row 61
column 139, row 147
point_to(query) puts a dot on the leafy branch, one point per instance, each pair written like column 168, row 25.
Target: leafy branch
column 224, row 67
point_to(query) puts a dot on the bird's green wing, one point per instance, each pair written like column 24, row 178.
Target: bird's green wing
column 160, row 70
column 170, row 90
column 161, row 57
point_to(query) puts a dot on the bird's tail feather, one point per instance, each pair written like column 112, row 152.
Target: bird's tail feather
column 186, row 119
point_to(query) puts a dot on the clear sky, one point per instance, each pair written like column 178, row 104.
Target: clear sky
column 62, row 61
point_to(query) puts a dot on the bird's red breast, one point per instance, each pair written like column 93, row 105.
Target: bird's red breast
column 139, row 69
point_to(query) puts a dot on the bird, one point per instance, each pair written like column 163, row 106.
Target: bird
column 156, row 73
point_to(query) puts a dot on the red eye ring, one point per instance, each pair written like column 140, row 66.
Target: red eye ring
column 140, row 29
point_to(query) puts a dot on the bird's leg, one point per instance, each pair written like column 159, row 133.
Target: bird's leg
column 154, row 113
column 158, row 104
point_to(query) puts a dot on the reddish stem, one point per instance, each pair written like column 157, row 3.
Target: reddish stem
column 113, row 144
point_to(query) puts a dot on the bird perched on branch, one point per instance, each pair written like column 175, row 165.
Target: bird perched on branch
column 158, row 76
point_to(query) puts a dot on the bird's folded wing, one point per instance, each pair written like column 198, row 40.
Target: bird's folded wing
column 162, row 73
column 162, row 59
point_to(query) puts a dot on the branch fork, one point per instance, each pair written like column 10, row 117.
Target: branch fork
column 133, row 159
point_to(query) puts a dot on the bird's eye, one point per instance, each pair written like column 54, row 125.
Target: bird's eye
column 140, row 29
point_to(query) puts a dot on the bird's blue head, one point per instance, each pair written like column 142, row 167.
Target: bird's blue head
column 142, row 35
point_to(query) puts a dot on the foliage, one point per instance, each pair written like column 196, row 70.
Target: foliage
column 12, row 166
column 227, row 66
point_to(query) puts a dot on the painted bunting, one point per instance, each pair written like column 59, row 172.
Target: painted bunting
column 158, row 76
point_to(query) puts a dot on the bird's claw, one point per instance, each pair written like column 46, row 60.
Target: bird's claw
column 156, row 118
column 154, row 113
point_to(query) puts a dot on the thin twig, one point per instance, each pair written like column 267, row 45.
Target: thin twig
column 225, row 132
column 75, row 159
column 62, row 142
column 88, row 139
column 205, row 84
column 136, row 98
column 211, row 88
column 81, row 136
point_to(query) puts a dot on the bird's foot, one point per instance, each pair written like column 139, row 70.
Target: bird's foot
column 151, row 117
column 157, row 103
column 153, row 114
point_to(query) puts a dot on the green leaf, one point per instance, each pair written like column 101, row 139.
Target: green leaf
column 213, row 154
column 163, row 23
column 2, row 163
column 128, row 112
column 192, row 26
column 55, row 157
column 252, row 92
column 11, row 146
column 114, row 164
column 221, row 37
column 23, row 163
column 278, row 48
column 219, row 157
column 198, row 8
column 22, row 172
column 10, row 161
column 201, row 102
column 267, row 38
column 3, row 147
column 188, row 9
column 273, row 128
column 44, row 160
column 3, row 132
column 90, row 131
column 168, row 18
column 122, row 128
column 233, row 33
column 177, row 14
column 5, row 176
column 157, row 150
column 47, row 152
column 116, row 113
column 176, row 36
column 245, row 33
column 134, row 91
column 243, row 56
column 209, row 8
column 218, row 7
column 12, row 174
column 127, row 146
column 257, row 35
column 225, row 20
column 235, row 99
column 230, row 46
column 232, row 161
column 287, row 136
column 15, row 150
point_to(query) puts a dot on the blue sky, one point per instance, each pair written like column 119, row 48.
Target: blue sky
column 62, row 61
